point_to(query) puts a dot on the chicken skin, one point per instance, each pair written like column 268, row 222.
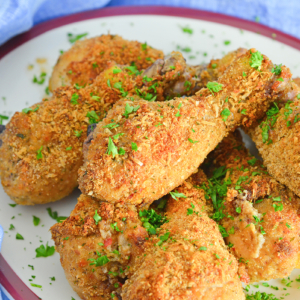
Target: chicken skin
column 97, row 245
column 87, row 59
column 277, row 139
column 188, row 259
column 152, row 147
column 259, row 216
column 42, row 146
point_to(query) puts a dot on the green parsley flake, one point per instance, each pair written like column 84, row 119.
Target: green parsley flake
column 78, row 133
column 187, row 30
column 203, row 248
column 256, row 60
column 152, row 220
column 73, row 37
column 130, row 109
column 163, row 238
column 11, row 227
column 277, row 70
column 19, row 236
column 74, row 98
column 35, row 285
column 134, row 146
column 252, row 161
column 100, row 261
column 2, row 117
column 54, row 215
column 193, row 142
column 36, row 221
column 43, row 251
column 244, row 112
column 69, row 148
column 176, row 195
column 93, row 117
column 39, row 154
column 41, row 79
column 27, row 110
column 96, row 217
column 111, row 148
column 214, row 87
column 225, row 114
column 227, row 43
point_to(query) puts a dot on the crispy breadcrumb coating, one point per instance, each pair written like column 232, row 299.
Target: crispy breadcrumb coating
column 97, row 255
column 154, row 148
column 261, row 216
column 86, row 59
column 277, row 138
column 188, row 259
column 59, row 125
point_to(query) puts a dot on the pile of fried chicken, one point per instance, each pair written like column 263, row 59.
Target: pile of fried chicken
column 132, row 126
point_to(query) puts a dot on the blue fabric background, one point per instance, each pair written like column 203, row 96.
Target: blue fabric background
column 17, row 16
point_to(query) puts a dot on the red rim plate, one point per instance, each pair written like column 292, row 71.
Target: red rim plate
column 8, row 278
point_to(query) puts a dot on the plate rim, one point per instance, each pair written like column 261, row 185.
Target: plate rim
column 190, row 13
column 8, row 278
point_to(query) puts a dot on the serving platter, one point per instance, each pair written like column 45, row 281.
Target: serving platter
column 199, row 35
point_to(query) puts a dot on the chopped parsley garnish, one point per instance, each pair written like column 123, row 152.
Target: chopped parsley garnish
column 111, row 148
column 93, row 117
column 272, row 115
column 244, row 74
column 43, row 251
column 78, row 133
column 277, row 70
column 116, row 70
column 52, row 278
column 252, row 161
column 27, row 110
column 280, row 79
column 144, row 46
column 36, row 221
column 41, row 79
column 47, row 90
column 11, row 227
column 238, row 210
column 214, row 87
column 190, row 211
column 118, row 86
column 100, row 261
column 203, row 248
column 39, row 154
column 152, row 220
column 95, row 65
column 176, row 195
column 19, row 236
column 74, row 98
column 132, row 70
column 54, row 215
column 77, row 86
column 244, row 112
column 121, row 151
column 96, row 217
column 214, row 66
column 188, row 85
column 163, row 238
column 193, row 142
column 225, row 114
column 36, row 285
column 108, row 83
column 227, row 43
column 13, row 205
column 256, row 60
column 69, row 148
column 134, row 146
column 73, row 37
column 2, row 117
column 187, row 30
column 111, row 125
column 130, row 109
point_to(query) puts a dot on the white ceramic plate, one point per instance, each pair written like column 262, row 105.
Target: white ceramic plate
column 163, row 32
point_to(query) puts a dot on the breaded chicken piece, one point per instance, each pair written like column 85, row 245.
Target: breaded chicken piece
column 97, row 245
column 58, row 127
column 188, row 259
column 277, row 139
column 151, row 147
column 41, row 147
column 86, row 59
column 260, row 216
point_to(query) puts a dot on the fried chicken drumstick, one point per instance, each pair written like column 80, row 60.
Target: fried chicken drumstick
column 259, row 216
column 188, row 258
column 151, row 147
column 42, row 146
column 87, row 59
column 277, row 139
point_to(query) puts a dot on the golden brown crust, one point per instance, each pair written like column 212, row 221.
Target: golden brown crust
column 119, row 236
column 177, row 267
column 172, row 137
column 282, row 155
column 264, row 218
column 87, row 59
